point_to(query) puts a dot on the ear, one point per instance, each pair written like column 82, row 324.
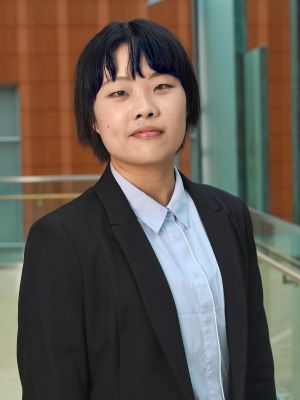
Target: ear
column 96, row 127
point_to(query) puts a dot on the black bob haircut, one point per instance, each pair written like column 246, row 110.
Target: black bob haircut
column 164, row 54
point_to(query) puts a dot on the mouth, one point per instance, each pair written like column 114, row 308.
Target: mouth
column 147, row 133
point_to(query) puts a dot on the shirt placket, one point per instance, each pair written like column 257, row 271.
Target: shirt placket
column 208, row 321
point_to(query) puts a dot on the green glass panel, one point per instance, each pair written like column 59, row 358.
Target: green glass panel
column 9, row 121
column 282, row 302
column 279, row 238
column 11, row 214
column 217, row 55
column 195, row 135
column 9, row 159
column 295, row 59
column 256, row 128
column 240, row 27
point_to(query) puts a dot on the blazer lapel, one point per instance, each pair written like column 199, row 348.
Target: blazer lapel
column 152, row 283
column 218, row 228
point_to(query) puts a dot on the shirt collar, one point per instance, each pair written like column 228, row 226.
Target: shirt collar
column 149, row 210
column 178, row 203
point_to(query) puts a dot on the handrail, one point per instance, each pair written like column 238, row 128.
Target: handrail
column 47, row 178
column 38, row 196
column 268, row 219
column 294, row 276
column 278, row 254
column 11, row 265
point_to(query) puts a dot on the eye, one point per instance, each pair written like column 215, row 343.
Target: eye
column 118, row 93
column 162, row 86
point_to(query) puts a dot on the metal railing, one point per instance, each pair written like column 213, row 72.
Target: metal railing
column 47, row 178
column 285, row 271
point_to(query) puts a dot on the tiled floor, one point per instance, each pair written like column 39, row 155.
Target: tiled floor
column 10, row 388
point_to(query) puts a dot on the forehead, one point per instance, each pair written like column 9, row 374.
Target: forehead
column 122, row 64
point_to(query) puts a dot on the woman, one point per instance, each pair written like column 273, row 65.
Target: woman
column 147, row 285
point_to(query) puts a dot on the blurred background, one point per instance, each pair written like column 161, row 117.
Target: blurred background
column 246, row 56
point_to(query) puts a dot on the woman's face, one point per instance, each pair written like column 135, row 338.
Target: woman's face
column 156, row 104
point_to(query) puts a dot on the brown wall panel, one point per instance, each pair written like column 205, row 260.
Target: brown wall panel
column 80, row 15
column 281, row 170
column 268, row 24
column 279, row 38
column 41, row 13
column 8, row 13
column 280, row 149
column 8, row 40
column 279, row 199
column 279, row 66
column 45, row 124
column 279, row 12
column 42, row 40
column 8, row 68
column 45, row 151
column 280, row 94
column 42, row 68
column 280, row 122
column 79, row 36
column 43, row 97
column 123, row 10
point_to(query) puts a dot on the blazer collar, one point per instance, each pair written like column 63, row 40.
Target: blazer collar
column 153, row 285
column 117, row 205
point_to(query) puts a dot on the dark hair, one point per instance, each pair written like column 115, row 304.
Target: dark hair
column 164, row 54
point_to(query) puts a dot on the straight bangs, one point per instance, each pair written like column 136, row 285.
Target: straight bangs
column 159, row 56
column 158, row 52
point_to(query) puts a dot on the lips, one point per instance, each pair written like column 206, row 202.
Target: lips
column 147, row 132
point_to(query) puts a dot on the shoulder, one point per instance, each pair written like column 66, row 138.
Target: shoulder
column 71, row 216
column 219, row 199
column 233, row 209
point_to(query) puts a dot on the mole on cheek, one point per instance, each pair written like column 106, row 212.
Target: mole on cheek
column 108, row 126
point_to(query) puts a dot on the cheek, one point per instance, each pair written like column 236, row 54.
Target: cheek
column 109, row 129
column 104, row 121
column 179, row 111
column 180, row 115
column 179, row 103
column 111, row 116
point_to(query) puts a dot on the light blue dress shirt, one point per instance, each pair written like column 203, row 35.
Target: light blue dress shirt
column 183, row 250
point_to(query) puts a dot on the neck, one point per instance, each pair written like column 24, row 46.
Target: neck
column 157, row 182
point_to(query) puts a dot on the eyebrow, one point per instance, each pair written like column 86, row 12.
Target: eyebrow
column 126, row 78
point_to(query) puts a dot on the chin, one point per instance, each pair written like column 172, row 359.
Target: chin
column 151, row 161
column 151, row 158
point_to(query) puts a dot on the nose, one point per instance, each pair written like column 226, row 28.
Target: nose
column 145, row 114
column 146, row 107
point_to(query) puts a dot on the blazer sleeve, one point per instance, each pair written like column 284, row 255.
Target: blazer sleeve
column 51, row 351
column 260, row 384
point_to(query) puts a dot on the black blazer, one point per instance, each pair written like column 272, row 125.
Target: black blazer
column 97, row 320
